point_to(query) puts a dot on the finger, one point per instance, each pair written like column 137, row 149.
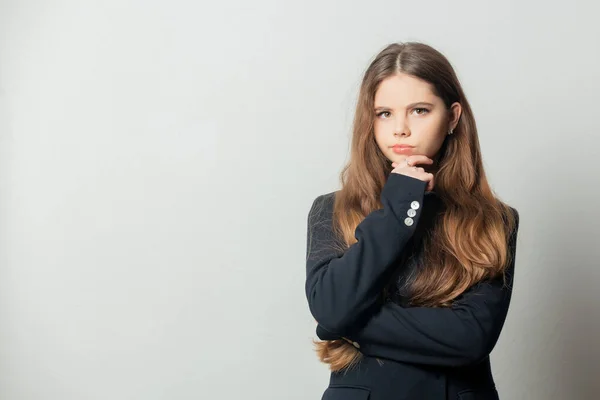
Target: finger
column 431, row 183
column 408, row 163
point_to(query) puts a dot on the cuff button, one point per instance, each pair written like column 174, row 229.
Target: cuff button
column 409, row 221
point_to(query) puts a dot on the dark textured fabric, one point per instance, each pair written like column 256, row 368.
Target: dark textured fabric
column 409, row 352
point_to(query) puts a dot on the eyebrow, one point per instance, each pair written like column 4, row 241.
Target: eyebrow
column 420, row 103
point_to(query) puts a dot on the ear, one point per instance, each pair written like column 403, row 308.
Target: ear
column 455, row 113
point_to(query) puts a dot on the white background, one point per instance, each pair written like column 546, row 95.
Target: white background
column 158, row 160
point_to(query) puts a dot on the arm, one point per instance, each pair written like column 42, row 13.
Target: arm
column 460, row 335
column 342, row 288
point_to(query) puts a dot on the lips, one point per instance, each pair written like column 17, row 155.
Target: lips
column 402, row 149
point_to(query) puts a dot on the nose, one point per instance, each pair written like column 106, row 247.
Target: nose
column 401, row 128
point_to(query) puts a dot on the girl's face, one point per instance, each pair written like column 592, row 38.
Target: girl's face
column 409, row 115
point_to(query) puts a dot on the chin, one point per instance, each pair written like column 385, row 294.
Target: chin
column 393, row 157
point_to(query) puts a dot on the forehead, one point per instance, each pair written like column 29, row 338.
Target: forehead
column 402, row 89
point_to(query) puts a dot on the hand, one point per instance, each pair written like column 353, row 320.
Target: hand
column 408, row 168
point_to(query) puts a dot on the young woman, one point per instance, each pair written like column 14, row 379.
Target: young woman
column 410, row 265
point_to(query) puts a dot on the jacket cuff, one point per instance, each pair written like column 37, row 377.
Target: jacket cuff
column 404, row 195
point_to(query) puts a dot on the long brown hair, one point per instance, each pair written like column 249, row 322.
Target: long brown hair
column 468, row 242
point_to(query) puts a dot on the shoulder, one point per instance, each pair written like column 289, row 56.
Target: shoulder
column 511, row 219
column 320, row 216
column 322, row 205
column 514, row 215
column 510, row 215
column 322, row 236
column 514, row 212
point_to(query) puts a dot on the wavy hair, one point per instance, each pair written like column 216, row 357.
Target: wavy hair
column 468, row 242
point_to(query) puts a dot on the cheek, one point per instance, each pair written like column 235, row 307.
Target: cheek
column 379, row 131
column 379, row 140
column 432, row 137
column 435, row 144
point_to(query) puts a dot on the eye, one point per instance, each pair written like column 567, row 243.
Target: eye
column 384, row 114
column 421, row 111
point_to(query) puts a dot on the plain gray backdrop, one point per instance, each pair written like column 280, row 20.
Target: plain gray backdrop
column 158, row 160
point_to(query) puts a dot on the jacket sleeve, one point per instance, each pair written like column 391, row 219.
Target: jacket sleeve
column 462, row 334
column 343, row 286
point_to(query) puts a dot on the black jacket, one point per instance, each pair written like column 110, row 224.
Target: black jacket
column 408, row 352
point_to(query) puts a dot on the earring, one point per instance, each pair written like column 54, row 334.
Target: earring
column 451, row 131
